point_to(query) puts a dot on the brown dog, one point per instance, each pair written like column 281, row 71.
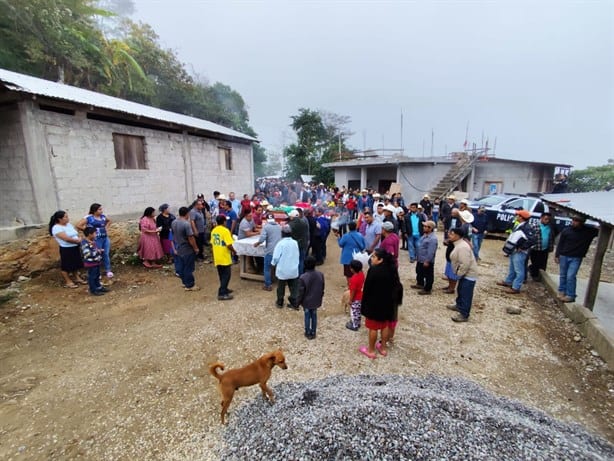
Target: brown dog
column 257, row 372
column 345, row 301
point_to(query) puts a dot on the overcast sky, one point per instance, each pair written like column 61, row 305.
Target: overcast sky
column 538, row 75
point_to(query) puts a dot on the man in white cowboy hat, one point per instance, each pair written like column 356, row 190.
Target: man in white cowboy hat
column 445, row 212
column 427, row 206
column 364, row 200
column 379, row 212
column 390, row 216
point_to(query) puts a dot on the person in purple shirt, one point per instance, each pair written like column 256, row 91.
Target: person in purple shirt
column 390, row 241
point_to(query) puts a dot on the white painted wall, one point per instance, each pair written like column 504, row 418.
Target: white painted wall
column 515, row 178
column 420, row 179
column 417, row 179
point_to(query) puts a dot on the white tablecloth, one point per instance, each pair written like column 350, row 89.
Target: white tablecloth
column 246, row 246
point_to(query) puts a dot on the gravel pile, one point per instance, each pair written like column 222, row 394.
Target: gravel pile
column 394, row 418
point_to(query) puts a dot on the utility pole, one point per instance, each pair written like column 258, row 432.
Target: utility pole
column 401, row 131
column 432, row 141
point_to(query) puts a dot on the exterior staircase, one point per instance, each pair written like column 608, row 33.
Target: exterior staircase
column 455, row 175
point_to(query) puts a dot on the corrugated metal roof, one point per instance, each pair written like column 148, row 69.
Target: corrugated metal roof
column 37, row 86
column 598, row 206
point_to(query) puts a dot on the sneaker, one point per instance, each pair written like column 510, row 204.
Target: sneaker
column 511, row 291
column 265, row 288
column 97, row 293
column 424, row 292
column 103, row 290
column 350, row 326
column 192, row 288
column 459, row 318
column 280, row 306
column 504, row 284
column 452, row 307
column 417, row 287
column 567, row 299
column 311, row 336
column 560, row 294
column 110, row 275
column 225, row 298
column 292, row 306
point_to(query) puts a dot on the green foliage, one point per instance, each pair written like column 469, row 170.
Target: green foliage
column 593, row 178
column 259, row 160
column 64, row 40
column 320, row 136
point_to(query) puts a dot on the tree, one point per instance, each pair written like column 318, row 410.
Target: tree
column 593, row 178
column 260, row 158
column 273, row 166
column 60, row 40
column 76, row 42
column 320, row 137
column 311, row 134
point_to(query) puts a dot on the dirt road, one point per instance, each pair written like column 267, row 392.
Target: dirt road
column 122, row 376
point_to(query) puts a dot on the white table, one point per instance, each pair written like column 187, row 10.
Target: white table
column 246, row 250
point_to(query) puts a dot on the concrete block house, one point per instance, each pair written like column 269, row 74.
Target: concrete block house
column 473, row 174
column 63, row 147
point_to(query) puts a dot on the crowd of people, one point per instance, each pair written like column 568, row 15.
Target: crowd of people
column 293, row 223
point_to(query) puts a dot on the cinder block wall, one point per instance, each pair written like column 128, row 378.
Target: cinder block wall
column 18, row 205
column 83, row 169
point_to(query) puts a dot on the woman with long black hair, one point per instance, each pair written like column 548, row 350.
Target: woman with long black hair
column 381, row 296
column 70, row 254
column 150, row 248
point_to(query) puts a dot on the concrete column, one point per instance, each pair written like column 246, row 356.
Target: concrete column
column 186, row 154
column 363, row 178
column 251, row 166
column 471, row 188
column 37, row 162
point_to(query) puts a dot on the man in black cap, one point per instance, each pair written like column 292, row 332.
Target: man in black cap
column 574, row 242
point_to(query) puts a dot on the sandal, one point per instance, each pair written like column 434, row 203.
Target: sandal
column 82, row 282
column 365, row 351
column 147, row 265
column 73, row 285
column 378, row 346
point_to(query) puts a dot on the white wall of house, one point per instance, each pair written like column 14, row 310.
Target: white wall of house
column 68, row 162
column 512, row 177
column 417, row 179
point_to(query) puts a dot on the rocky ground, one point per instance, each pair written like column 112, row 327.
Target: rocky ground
column 124, row 376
